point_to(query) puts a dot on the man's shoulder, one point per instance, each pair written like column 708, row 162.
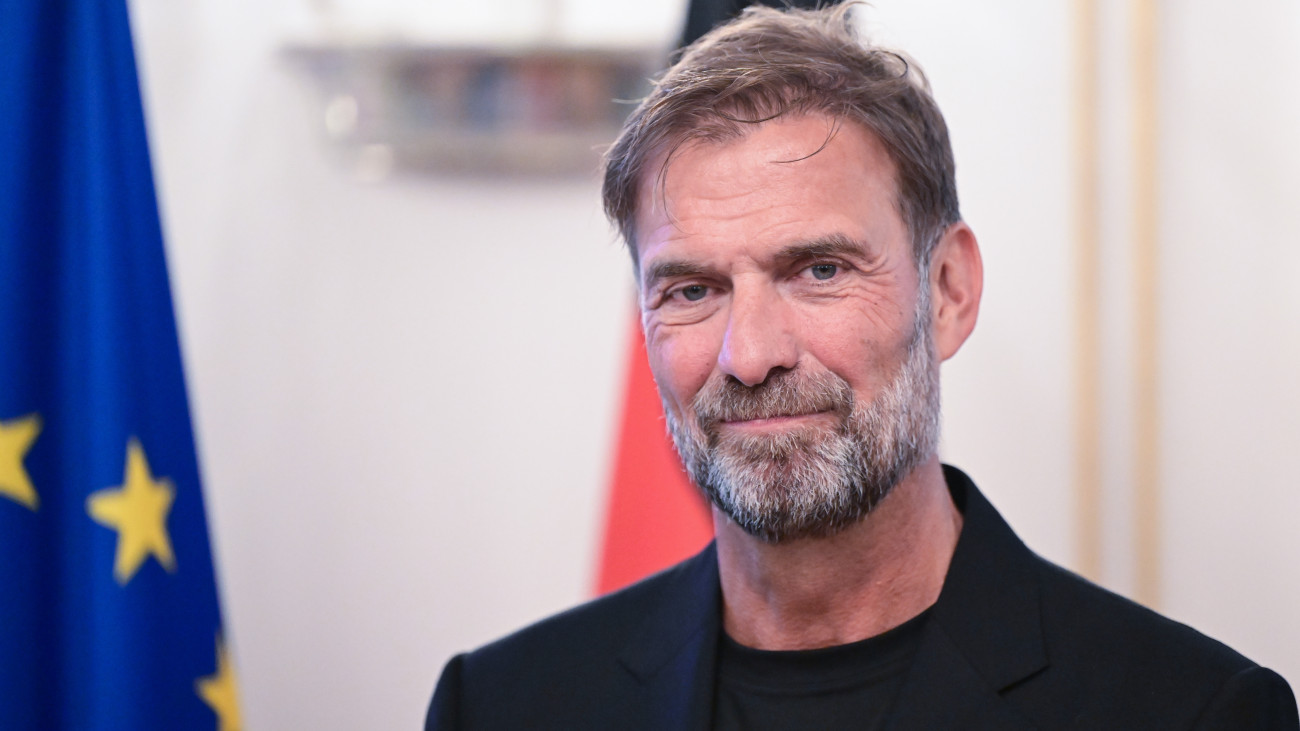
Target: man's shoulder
column 994, row 575
column 598, row 627
column 585, row 667
column 1112, row 659
column 1066, row 652
column 1084, row 619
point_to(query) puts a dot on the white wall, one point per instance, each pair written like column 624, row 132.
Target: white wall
column 1231, row 166
column 404, row 392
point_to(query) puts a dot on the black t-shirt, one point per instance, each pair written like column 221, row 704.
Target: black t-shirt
column 843, row 687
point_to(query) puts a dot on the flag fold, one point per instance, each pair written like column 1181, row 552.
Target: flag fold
column 109, row 616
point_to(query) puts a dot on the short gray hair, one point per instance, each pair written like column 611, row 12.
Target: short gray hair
column 768, row 63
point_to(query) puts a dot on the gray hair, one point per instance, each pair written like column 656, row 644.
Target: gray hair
column 769, row 63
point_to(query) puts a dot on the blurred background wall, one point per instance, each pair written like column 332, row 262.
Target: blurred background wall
column 405, row 387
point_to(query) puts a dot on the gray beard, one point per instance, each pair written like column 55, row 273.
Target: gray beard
column 816, row 480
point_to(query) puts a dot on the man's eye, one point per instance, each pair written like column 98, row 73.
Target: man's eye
column 823, row 271
column 694, row 292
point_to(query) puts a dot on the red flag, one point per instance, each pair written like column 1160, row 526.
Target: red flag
column 655, row 516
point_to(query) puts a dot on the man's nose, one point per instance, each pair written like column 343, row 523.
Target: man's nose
column 758, row 340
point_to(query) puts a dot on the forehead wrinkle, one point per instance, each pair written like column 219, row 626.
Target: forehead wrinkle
column 704, row 140
column 653, row 188
column 658, row 200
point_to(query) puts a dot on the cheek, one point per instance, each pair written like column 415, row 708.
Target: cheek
column 681, row 359
column 857, row 344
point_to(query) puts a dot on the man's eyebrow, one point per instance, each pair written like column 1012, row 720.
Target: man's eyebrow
column 671, row 269
column 832, row 245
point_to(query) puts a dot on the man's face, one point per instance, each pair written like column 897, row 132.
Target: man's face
column 785, row 325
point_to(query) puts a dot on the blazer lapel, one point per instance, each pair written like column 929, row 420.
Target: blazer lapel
column 673, row 652
column 984, row 633
column 944, row 691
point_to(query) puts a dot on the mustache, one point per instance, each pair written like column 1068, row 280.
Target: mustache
column 784, row 393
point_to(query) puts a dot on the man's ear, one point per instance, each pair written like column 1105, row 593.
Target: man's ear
column 956, row 283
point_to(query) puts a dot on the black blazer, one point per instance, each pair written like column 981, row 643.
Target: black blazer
column 1013, row 642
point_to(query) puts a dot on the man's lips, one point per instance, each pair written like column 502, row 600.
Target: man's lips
column 770, row 422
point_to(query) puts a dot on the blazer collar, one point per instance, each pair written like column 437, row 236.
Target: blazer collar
column 674, row 650
column 984, row 634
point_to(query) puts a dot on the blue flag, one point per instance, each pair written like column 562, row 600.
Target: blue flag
column 108, row 603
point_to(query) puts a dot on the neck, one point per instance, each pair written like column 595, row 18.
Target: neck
column 864, row 580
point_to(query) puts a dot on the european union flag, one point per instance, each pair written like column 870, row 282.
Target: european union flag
column 108, row 605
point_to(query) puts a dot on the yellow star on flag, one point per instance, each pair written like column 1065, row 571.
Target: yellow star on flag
column 138, row 512
column 221, row 692
column 16, row 438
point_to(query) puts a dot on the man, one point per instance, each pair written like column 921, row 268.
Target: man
column 789, row 202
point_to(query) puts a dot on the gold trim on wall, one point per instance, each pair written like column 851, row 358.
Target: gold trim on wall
column 1146, row 364
column 1087, row 300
